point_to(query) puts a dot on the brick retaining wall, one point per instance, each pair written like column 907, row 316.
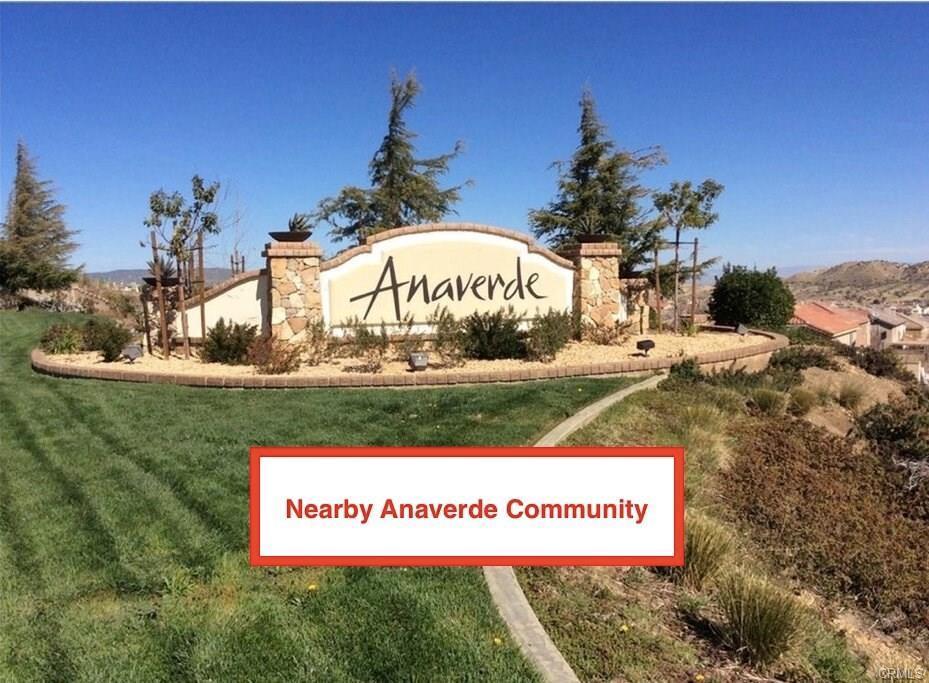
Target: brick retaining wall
column 751, row 357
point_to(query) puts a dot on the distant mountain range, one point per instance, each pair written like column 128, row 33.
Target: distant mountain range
column 864, row 282
column 135, row 275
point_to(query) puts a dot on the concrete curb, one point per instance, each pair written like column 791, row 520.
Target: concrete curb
column 508, row 596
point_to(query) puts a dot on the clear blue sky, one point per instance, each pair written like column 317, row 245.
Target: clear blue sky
column 815, row 117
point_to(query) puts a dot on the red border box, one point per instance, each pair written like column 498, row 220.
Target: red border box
column 257, row 559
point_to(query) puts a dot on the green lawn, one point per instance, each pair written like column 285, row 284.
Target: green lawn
column 123, row 531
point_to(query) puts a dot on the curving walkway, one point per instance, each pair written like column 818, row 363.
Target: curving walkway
column 507, row 595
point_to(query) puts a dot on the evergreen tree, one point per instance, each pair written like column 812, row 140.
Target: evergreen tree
column 404, row 190
column 36, row 243
column 599, row 194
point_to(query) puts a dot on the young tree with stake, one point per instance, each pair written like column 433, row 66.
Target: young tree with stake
column 684, row 207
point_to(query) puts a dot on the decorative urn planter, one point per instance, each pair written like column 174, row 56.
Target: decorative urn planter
column 594, row 238
column 290, row 235
column 165, row 281
column 419, row 361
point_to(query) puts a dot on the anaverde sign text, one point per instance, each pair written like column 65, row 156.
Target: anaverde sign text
column 410, row 276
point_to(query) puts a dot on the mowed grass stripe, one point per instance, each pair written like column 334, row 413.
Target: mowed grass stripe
column 123, row 549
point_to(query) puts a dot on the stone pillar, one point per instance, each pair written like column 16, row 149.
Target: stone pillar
column 293, row 287
column 597, row 287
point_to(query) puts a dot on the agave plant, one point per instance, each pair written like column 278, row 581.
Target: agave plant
column 300, row 222
column 165, row 265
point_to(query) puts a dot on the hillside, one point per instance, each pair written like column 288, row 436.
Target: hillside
column 130, row 275
column 864, row 282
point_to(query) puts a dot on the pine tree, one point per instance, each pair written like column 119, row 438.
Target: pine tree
column 36, row 243
column 404, row 190
column 599, row 193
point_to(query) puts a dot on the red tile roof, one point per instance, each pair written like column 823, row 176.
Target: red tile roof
column 826, row 318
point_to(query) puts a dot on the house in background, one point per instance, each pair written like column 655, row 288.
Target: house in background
column 843, row 325
column 917, row 327
column 887, row 327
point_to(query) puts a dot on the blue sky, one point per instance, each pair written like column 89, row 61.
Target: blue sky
column 814, row 117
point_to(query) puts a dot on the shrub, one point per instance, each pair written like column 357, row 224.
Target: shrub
column 850, row 395
column 228, row 344
column 62, row 338
column 899, row 428
column 605, row 335
column 706, row 547
column 761, row 621
column 319, row 344
column 448, row 339
column 549, row 334
column 406, row 341
column 801, row 402
column 489, row 336
column 272, row 356
column 769, row 402
column 106, row 336
column 750, row 297
column 802, row 357
column 367, row 344
column 685, row 372
column 880, row 363
column 798, row 334
column 834, row 515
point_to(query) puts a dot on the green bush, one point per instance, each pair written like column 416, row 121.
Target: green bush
column 760, row 621
column 685, row 372
column 769, row 402
column 706, row 546
column 801, row 402
column 750, row 297
column 367, row 344
column 797, row 334
column 899, row 428
column 406, row 341
column 448, row 336
column 228, row 344
column 272, row 356
column 62, row 338
column 319, row 344
column 489, row 336
column 106, row 336
column 803, row 357
column 549, row 334
column 880, row 363
column 850, row 395
column 834, row 515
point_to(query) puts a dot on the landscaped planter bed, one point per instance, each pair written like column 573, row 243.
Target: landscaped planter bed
column 713, row 348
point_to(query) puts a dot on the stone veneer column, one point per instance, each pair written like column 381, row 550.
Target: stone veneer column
column 597, row 287
column 293, row 287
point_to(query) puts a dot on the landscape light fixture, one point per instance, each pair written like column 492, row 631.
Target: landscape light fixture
column 645, row 345
column 418, row 361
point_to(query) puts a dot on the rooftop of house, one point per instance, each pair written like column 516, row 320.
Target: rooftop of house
column 886, row 318
column 828, row 318
column 914, row 321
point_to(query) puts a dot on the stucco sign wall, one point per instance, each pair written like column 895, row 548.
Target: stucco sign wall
column 413, row 274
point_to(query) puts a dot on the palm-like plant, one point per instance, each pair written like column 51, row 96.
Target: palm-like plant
column 300, row 222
